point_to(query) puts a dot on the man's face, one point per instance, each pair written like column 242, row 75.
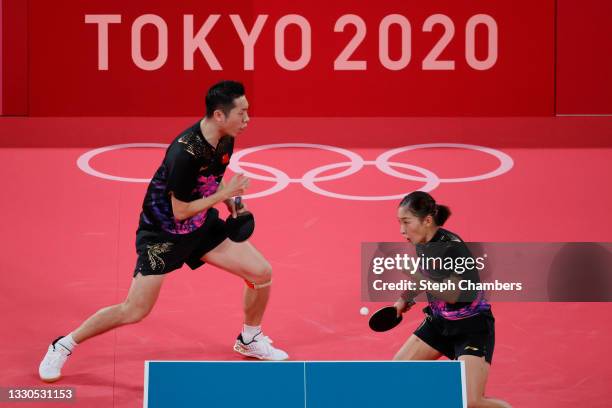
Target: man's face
column 237, row 119
column 411, row 227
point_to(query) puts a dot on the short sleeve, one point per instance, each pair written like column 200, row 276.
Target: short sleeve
column 463, row 262
column 446, row 259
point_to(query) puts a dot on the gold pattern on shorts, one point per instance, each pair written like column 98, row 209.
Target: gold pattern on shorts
column 154, row 251
column 193, row 144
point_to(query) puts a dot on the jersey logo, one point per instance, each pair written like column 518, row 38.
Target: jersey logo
column 193, row 144
column 471, row 348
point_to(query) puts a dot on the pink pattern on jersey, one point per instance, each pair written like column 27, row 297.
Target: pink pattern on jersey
column 206, row 186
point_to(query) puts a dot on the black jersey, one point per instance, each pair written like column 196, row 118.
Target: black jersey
column 191, row 169
column 450, row 248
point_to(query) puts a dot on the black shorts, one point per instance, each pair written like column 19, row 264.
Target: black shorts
column 474, row 336
column 160, row 252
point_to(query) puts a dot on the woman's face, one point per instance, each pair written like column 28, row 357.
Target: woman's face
column 412, row 228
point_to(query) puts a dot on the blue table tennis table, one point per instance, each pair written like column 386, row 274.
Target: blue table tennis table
column 305, row 384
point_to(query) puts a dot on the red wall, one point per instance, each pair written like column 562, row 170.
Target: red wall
column 65, row 80
column 64, row 75
column 584, row 57
column 15, row 92
column 50, row 60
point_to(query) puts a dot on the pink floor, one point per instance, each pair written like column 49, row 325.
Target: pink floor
column 68, row 249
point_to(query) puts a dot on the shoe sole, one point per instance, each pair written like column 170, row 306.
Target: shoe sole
column 51, row 380
column 241, row 351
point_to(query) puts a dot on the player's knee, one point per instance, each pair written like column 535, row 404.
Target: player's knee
column 405, row 355
column 133, row 312
column 475, row 402
column 261, row 274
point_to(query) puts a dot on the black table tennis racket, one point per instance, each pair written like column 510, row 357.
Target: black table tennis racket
column 384, row 319
column 239, row 229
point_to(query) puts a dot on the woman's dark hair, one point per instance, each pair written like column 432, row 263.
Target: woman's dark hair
column 221, row 96
column 421, row 204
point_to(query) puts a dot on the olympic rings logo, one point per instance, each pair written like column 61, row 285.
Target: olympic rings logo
column 311, row 179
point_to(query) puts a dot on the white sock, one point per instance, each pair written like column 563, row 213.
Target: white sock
column 248, row 332
column 68, row 342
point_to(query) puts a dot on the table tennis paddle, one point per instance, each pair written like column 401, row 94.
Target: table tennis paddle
column 239, row 229
column 384, row 319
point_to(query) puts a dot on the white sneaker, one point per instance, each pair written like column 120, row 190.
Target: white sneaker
column 260, row 347
column 50, row 369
